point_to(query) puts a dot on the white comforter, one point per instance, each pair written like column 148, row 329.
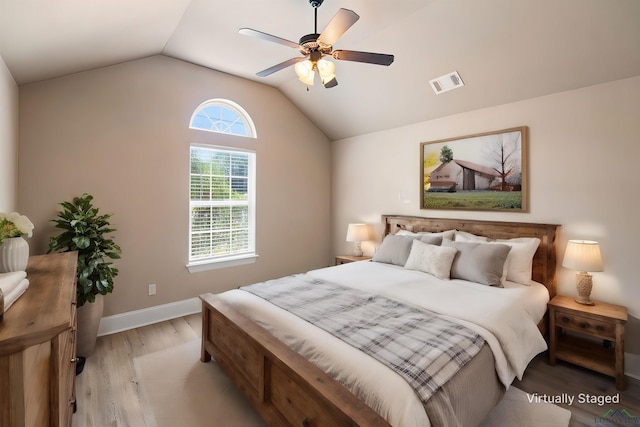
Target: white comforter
column 506, row 318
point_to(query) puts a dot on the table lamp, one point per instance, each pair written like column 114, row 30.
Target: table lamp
column 357, row 233
column 583, row 256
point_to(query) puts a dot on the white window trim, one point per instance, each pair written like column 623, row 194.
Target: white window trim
column 225, row 261
column 221, row 262
column 236, row 108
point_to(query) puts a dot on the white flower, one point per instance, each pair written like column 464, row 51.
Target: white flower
column 22, row 223
column 15, row 225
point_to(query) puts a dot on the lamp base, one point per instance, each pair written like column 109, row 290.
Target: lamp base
column 584, row 302
column 584, row 284
column 357, row 249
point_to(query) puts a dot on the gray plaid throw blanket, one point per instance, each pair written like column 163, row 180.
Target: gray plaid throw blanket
column 422, row 347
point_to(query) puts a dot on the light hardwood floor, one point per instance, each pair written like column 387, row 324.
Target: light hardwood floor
column 107, row 390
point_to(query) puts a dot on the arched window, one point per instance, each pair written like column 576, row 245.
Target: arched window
column 223, row 116
column 222, row 190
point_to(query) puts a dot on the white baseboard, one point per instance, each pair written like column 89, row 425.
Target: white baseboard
column 632, row 365
column 147, row 316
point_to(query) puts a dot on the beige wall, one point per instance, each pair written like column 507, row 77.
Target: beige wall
column 583, row 154
column 8, row 139
column 121, row 133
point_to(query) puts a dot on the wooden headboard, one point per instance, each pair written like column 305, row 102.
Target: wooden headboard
column 544, row 261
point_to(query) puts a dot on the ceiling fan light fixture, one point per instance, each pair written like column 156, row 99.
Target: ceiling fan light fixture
column 305, row 71
column 326, row 69
column 308, row 80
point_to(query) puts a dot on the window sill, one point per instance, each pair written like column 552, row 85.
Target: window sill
column 214, row 264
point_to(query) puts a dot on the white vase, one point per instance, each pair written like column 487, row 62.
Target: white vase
column 14, row 254
column 89, row 316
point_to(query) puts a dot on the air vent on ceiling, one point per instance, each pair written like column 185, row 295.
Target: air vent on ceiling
column 446, row 83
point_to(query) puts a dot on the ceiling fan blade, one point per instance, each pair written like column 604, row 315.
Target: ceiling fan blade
column 280, row 66
column 339, row 24
column 368, row 57
column 332, row 83
column 268, row 37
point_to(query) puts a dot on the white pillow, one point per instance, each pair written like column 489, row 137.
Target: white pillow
column 463, row 236
column 448, row 234
column 520, row 259
column 432, row 259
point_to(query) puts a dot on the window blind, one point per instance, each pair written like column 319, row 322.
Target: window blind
column 221, row 203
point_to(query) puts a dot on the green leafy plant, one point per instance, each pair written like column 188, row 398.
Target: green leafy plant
column 84, row 230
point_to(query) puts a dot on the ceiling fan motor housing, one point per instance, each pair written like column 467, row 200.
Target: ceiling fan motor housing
column 310, row 43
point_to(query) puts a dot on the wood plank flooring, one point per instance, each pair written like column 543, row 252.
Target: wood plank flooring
column 107, row 389
column 108, row 396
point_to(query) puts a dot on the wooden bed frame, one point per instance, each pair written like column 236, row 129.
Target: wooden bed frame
column 288, row 390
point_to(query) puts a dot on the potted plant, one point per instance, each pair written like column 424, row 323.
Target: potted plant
column 14, row 250
column 84, row 230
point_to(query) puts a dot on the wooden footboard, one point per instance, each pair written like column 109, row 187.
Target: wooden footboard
column 285, row 388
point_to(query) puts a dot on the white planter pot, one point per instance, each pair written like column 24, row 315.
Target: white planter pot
column 89, row 316
column 14, row 254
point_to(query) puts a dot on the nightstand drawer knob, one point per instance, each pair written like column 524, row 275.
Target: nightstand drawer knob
column 583, row 325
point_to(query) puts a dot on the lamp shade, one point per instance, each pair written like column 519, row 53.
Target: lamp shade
column 305, row 72
column 326, row 69
column 357, row 233
column 582, row 255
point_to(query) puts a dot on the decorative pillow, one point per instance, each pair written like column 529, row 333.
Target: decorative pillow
column 478, row 262
column 432, row 259
column 432, row 239
column 448, row 234
column 520, row 260
column 463, row 236
column 395, row 249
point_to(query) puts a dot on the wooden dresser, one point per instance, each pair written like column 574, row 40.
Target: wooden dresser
column 37, row 346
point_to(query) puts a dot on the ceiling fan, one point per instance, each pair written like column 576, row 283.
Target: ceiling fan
column 315, row 48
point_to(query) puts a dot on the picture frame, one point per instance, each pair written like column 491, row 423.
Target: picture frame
column 484, row 172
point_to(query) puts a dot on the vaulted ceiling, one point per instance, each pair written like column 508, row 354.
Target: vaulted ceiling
column 504, row 50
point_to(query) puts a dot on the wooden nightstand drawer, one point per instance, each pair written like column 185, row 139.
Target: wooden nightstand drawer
column 594, row 327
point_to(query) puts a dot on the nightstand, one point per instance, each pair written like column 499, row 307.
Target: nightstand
column 602, row 321
column 344, row 259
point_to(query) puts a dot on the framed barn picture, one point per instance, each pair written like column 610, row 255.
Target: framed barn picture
column 485, row 171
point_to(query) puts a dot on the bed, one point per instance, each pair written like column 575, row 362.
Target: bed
column 261, row 347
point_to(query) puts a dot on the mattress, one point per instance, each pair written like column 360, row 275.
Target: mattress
column 506, row 318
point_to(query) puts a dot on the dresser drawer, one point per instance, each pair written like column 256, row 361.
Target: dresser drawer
column 68, row 371
column 595, row 327
column 67, row 377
